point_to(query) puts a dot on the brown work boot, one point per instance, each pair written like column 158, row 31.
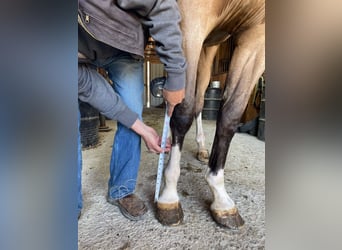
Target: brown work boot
column 131, row 206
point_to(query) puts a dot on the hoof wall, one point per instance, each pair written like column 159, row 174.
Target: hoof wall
column 230, row 219
column 170, row 214
column 203, row 156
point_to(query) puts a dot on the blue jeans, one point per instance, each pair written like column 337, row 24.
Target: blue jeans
column 127, row 76
column 126, row 73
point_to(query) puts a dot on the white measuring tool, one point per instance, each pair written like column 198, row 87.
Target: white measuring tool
column 162, row 155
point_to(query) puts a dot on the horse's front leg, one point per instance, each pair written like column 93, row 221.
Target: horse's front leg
column 247, row 65
column 169, row 209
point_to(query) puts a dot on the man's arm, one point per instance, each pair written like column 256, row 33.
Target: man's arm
column 162, row 19
column 95, row 90
column 150, row 136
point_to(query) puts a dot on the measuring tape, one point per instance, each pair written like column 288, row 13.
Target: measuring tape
column 162, row 156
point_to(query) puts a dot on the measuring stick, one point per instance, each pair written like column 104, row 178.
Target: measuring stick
column 162, row 155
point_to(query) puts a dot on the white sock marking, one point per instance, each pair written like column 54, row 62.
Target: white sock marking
column 222, row 201
column 200, row 138
column 171, row 175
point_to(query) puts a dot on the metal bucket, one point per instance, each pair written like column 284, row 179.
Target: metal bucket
column 215, row 84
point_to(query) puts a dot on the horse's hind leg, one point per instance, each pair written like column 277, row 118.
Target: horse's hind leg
column 247, row 65
column 203, row 78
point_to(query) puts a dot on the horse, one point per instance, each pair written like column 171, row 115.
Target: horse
column 205, row 25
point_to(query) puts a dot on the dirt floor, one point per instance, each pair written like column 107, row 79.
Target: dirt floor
column 102, row 226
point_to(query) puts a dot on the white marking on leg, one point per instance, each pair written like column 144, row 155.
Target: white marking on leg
column 222, row 201
column 171, row 175
column 200, row 138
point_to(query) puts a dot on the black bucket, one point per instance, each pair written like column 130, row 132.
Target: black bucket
column 89, row 125
column 212, row 101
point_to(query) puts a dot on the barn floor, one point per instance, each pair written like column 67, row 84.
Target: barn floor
column 102, row 226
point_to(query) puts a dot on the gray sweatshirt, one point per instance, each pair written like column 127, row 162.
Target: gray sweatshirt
column 102, row 96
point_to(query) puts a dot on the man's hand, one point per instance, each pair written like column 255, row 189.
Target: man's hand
column 150, row 136
column 172, row 98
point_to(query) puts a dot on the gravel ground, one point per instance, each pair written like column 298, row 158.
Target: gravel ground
column 102, row 226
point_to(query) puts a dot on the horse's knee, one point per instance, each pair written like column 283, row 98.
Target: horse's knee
column 182, row 118
column 181, row 122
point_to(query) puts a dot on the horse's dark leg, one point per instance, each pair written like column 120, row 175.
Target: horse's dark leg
column 246, row 67
column 169, row 211
column 203, row 78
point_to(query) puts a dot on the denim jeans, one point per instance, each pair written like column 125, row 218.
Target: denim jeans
column 127, row 76
column 126, row 73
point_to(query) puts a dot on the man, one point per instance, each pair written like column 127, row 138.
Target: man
column 112, row 35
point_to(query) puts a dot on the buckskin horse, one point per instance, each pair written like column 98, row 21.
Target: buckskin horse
column 206, row 24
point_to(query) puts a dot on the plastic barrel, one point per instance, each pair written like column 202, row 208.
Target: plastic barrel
column 212, row 101
column 89, row 125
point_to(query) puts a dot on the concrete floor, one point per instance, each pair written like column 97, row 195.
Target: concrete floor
column 102, row 226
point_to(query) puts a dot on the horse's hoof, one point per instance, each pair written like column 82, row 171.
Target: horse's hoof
column 229, row 218
column 170, row 214
column 203, row 155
